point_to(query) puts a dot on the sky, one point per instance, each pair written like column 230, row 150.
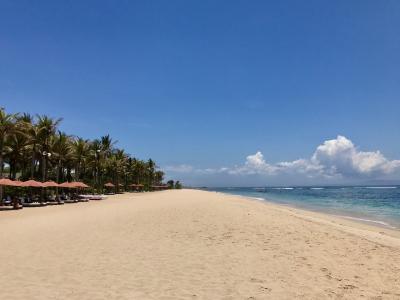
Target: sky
column 219, row 93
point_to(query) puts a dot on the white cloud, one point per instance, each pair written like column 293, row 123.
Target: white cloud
column 255, row 164
column 179, row 168
column 336, row 158
column 340, row 156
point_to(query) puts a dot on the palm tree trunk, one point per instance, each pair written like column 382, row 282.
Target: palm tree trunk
column 33, row 163
column 57, row 180
column 1, row 173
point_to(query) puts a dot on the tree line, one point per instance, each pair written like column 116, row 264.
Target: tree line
column 33, row 147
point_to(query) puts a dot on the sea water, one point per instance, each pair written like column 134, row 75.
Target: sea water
column 379, row 205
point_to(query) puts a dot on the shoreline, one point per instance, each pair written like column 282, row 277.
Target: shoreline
column 357, row 216
column 372, row 231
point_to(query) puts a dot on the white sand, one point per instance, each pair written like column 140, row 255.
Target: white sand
column 192, row 245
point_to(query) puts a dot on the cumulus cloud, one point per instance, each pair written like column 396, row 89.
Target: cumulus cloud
column 336, row 158
column 255, row 164
column 340, row 156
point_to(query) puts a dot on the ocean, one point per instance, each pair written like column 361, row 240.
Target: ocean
column 376, row 205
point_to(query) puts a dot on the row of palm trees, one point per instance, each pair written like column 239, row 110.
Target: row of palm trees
column 32, row 147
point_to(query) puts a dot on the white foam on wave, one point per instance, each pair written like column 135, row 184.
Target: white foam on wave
column 381, row 187
column 368, row 221
column 317, row 188
column 256, row 198
column 283, row 188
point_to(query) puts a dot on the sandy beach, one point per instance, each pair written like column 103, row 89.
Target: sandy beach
column 188, row 244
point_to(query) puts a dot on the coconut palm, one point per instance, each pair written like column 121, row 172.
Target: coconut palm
column 60, row 146
column 80, row 152
column 47, row 128
column 33, row 147
column 7, row 128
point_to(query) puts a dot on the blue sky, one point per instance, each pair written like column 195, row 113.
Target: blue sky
column 202, row 85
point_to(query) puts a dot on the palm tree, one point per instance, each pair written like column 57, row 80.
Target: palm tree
column 151, row 166
column 158, row 177
column 107, row 145
column 80, row 152
column 15, row 149
column 95, row 161
column 33, row 147
column 7, row 128
column 60, row 146
column 47, row 128
column 119, row 159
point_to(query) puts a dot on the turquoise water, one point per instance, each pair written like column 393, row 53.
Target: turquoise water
column 379, row 205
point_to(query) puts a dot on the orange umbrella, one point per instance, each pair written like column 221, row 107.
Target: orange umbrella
column 32, row 183
column 109, row 184
column 50, row 184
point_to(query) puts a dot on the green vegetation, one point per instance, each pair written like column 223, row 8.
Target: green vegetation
column 32, row 147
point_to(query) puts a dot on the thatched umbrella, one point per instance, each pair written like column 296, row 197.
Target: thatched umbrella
column 110, row 185
column 136, row 186
column 8, row 182
column 50, row 184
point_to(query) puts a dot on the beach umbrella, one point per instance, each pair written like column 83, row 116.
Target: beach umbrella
column 19, row 183
column 67, row 185
column 109, row 184
column 78, row 184
column 50, row 183
column 8, row 182
column 83, row 185
column 32, row 183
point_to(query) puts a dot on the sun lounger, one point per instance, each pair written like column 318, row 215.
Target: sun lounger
column 32, row 204
column 68, row 201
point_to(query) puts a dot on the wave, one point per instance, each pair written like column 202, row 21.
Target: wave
column 317, row 188
column 255, row 198
column 380, row 187
column 368, row 221
column 282, row 188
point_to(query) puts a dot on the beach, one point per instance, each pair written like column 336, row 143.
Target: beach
column 191, row 244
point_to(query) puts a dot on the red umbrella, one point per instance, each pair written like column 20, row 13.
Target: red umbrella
column 19, row 183
column 79, row 184
column 67, row 185
column 50, row 184
column 82, row 185
column 109, row 184
column 32, row 183
column 6, row 181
